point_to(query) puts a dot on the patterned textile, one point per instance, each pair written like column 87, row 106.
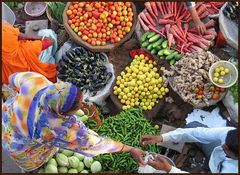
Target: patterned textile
column 33, row 128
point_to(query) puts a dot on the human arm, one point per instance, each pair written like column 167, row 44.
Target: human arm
column 199, row 134
column 197, row 21
column 46, row 41
column 73, row 135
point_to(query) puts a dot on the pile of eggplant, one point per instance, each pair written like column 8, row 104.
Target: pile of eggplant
column 84, row 69
column 231, row 11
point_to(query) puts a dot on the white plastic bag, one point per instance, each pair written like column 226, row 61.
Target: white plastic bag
column 66, row 46
column 101, row 96
column 228, row 28
column 232, row 107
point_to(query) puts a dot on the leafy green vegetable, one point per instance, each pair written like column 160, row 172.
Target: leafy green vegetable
column 126, row 127
column 234, row 90
column 62, row 160
column 57, row 9
column 63, row 169
column 88, row 161
column 80, row 167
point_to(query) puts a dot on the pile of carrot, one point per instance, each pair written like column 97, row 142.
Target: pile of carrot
column 175, row 18
column 214, row 7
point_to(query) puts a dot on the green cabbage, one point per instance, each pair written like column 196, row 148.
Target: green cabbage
column 52, row 161
column 62, row 160
column 73, row 161
column 80, row 167
column 79, row 156
column 84, row 118
column 62, row 169
column 84, row 171
column 96, row 167
column 51, row 169
column 80, row 113
column 72, row 170
column 88, row 161
column 67, row 153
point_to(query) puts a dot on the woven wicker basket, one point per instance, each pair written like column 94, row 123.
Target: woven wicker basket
column 106, row 48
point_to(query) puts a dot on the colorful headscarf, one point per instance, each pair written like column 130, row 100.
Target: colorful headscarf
column 59, row 97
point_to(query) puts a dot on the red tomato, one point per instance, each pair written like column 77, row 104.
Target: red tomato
column 222, row 90
column 93, row 43
column 117, row 39
column 123, row 24
column 70, row 22
column 75, row 6
column 128, row 4
column 71, row 7
column 74, row 11
column 72, row 16
column 101, row 10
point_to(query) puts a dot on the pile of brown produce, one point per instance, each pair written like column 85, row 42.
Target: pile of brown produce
column 174, row 20
column 189, row 77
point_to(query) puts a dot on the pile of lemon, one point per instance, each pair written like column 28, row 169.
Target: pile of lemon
column 219, row 72
column 140, row 84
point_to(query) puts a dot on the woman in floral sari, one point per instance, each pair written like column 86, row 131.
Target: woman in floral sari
column 40, row 119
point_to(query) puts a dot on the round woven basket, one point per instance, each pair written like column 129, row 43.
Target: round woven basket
column 51, row 19
column 106, row 48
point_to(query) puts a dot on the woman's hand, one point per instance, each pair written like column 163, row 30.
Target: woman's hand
column 138, row 155
column 160, row 163
column 200, row 26
column 150, row 139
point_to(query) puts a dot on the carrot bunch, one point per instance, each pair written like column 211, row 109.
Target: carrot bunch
column 174, row 18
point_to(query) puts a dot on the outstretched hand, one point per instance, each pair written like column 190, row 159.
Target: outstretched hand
column 138, row 155
column 160, row 163
column 150, row 139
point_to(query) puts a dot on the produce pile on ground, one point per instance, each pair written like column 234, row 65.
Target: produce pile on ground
column 174, row 19
column 213, row 7
column 231, row 12
column 84, row 69
column 56, row 10
column 158, row 46
column 99, row 23
column 234, row 90
column 140, row 84
column 126, row 127
column 69, row 162
column 189, row 76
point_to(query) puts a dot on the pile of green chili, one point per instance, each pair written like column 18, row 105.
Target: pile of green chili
column 127, row 127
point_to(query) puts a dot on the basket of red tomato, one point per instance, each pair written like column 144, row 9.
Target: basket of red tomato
column 100, row 26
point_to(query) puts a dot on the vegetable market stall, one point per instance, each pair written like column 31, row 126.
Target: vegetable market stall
column 166, row 48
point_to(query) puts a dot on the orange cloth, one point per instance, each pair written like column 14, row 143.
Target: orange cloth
column 22, row 55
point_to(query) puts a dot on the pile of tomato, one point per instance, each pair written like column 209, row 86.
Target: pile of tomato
column 99, row 23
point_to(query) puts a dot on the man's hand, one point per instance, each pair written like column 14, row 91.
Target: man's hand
column 200, row 26
column 150, row 139
column 138, row 155
column 160, row 163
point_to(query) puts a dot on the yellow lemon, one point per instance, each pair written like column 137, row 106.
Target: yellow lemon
column 166, row 90
column 145, row 108
column 149, row 107
column 215, row 79
column 226, row 70
column 221, row 68
column 221, row 81
column 216, row 74
column 222, row 73
column 217, row 70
